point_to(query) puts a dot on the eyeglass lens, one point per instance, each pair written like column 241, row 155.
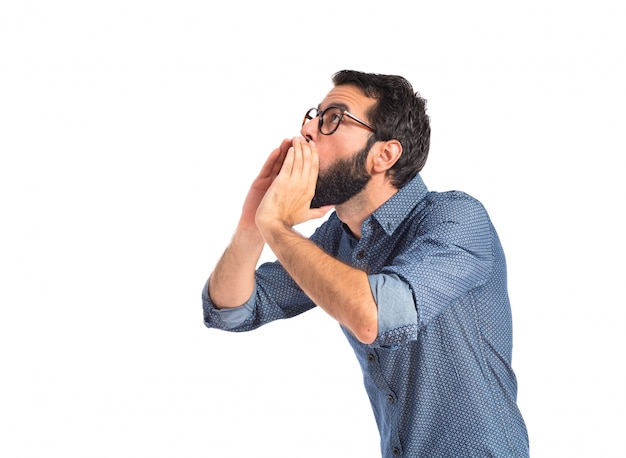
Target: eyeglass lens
column 328, row 121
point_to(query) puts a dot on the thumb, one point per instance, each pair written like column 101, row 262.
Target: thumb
column 321, row 211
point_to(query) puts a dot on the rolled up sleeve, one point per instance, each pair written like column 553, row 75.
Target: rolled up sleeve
column 397, row 314
column 228, row 318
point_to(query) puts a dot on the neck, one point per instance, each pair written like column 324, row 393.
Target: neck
column 360, row 207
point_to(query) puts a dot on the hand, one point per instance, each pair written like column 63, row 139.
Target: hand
column 261, row 184
column 288, row 200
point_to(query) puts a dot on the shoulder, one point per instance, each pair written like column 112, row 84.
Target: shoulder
column 451, row 215
column 453, row 203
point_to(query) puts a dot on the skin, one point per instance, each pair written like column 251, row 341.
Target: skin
column 280, row 197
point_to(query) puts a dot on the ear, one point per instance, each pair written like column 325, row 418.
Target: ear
column 387, row 154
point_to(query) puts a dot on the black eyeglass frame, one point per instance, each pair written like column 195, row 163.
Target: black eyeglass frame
column 320, row 113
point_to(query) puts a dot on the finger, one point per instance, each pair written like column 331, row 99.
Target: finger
column 272, row 164
column 282, row 154
column 310, row 160
column 288, row 162
column 309, row 156
column 314, row 162
column 299, row 161
column 315, row 213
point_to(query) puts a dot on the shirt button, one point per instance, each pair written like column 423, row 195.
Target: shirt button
column 396, row 451
column 370, row 357
column 390, row 399
column 360, row 255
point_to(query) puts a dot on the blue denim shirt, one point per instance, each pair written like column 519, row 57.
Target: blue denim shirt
column 439, row 375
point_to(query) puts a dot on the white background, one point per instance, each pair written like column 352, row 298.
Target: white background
column 129, row 133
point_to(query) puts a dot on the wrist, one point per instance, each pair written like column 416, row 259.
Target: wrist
column 248, row 238
column 277, row 234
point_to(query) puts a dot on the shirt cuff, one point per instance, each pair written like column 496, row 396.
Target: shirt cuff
column 227, row 318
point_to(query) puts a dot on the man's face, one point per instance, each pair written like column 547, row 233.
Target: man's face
column 343, row 154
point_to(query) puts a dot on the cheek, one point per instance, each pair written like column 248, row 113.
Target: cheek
column 332, row 148
column 324, row 164
column 325, row 156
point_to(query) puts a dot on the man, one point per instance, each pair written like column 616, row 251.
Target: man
column 416, row 279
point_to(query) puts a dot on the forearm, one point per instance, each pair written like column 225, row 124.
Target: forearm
column 339, row 289
column 232, row 282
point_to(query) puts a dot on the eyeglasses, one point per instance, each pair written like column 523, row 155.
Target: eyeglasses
column 330, row 118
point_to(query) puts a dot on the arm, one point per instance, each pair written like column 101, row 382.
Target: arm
column 339, row 289
column 232, row 280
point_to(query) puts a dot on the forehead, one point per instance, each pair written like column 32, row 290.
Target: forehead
column 349, row 97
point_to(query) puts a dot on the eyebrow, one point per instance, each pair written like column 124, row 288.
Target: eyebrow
column 341, row 106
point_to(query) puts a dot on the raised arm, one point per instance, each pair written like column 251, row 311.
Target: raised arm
column 232, row 280
column 339, row 289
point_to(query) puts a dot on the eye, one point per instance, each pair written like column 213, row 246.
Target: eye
column 332, row 116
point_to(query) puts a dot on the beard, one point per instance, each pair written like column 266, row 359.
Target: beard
column 343, row 180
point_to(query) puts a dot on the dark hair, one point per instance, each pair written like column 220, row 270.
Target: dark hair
column 399, row 113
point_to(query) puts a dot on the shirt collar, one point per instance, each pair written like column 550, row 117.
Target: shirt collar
column 390, row 214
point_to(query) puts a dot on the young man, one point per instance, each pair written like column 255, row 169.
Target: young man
column 416, row 279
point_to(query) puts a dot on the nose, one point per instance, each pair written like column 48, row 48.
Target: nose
column 309, row 129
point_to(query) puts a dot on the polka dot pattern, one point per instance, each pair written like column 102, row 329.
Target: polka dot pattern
column 439, row 375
